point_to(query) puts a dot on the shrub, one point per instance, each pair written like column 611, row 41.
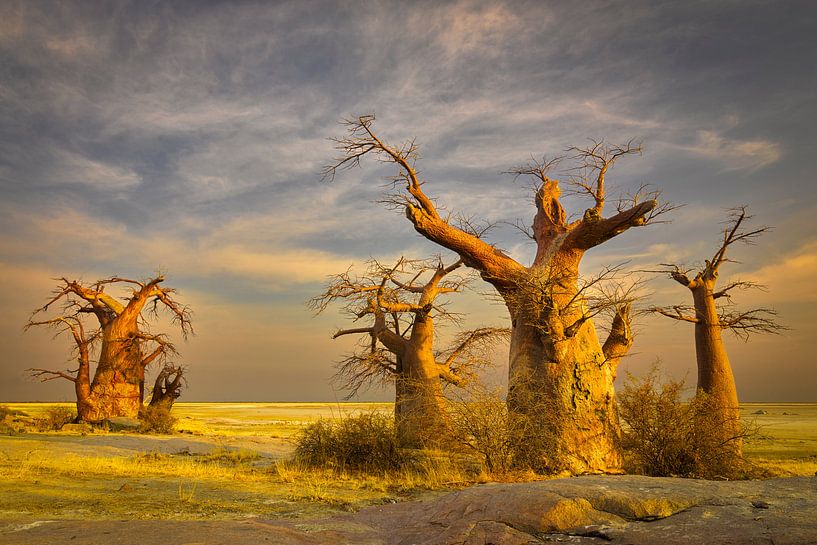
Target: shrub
column 482, row 424
column 505, row 441
column 55, row 418
column 156, row 419
column 666, row 436
column 6, row 411
column 227, row 457
column 365, row 442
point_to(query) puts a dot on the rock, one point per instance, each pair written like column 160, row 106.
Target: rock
column 760, row 411
column 595, row 509
column 123, row 423
column 80, row 427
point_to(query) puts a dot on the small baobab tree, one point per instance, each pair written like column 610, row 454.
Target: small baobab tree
column 167, row 387
column 555, row 353
column 81, row 376
column 126, row 347
column 400, row 305
column 711, row 317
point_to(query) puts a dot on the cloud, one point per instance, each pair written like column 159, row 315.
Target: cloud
column 73, row 168
column 71, row 46
column 789, row 278
column 746, row 155
column 468, row 28
column 73, row 242
column 190, row 137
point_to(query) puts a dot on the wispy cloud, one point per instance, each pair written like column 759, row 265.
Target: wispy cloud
column 189, row 137
column 747, row 155
column 73, row 168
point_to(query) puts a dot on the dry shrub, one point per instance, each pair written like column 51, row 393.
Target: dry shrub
column 664, row 435
column 228, row 457
column 481, row 423
column 5, row 411
column 55, row 418
column 365, row 442
column 156, row 419
column 505, row 441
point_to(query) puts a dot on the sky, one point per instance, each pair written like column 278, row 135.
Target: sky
column 187, row 138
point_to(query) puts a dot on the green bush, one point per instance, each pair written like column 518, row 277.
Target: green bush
column 156, row 419
column 55, row 418
column 663, row 435
column 366, row 442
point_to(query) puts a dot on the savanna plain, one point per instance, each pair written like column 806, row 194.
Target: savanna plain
column 234, row 461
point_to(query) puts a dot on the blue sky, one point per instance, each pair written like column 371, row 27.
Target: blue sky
column 188, row 137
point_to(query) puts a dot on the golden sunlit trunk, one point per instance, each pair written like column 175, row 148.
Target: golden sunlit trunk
column 714, row 369
column 420, row 412
column 116, row 388
column 563, row 384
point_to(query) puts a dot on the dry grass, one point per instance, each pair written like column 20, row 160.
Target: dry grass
column 234, row 465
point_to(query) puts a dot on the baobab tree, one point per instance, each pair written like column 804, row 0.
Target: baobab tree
column 711, row 318
column 81, row 376
column 167, row 387
column 126, row 348
column 400, row 304
column 555, row 353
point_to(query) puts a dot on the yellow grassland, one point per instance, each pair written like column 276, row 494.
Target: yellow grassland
column 229, row 460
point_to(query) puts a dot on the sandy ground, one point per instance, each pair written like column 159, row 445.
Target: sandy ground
column 621, row 510
column 131, row 444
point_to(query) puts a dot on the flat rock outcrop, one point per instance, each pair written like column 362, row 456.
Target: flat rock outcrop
column 594, row 509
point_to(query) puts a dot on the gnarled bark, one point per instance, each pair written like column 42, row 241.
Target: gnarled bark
column 557, row 363
column 168, row 386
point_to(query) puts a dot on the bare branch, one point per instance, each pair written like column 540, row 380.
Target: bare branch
column 737, row 285
column 732, row 233
column 469, row 352
column 594, row 161
column 677, row 312
column 360, row 141
column 757, row 320
column 45, row 375
column 365, row 368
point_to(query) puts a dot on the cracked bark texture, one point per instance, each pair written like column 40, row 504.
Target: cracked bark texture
column 560, row 374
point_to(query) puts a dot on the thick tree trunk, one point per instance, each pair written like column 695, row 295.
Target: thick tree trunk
column 420, row 413
column 562, row 384
column 568, row 402
column 560, row 380
column 115, row 390
column 86, row 405
column 715, row 376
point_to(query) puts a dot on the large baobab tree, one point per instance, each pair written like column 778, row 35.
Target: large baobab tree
column 555, row 354
column 126, row 347
column 711, row 318
column 400, row 305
